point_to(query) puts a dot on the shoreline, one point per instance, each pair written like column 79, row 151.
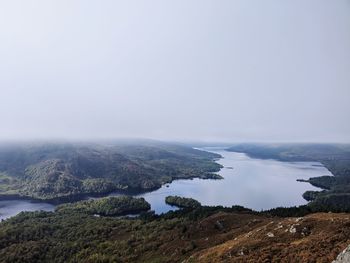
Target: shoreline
column 128, row 192
column 256, row 156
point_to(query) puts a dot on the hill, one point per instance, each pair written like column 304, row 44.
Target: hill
column 203, row 234
column 61, row 172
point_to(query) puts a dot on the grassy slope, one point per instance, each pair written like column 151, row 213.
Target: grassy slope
column 47, row 171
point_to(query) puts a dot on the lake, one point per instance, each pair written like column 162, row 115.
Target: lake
column 253, row 183
column 10, row 208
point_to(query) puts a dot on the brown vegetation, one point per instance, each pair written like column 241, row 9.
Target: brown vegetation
column 314, row 238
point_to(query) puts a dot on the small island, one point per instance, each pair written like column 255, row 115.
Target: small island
column 182, row 202
column 108, row 206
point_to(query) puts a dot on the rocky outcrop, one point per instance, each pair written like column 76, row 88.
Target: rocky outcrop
column 344, row 256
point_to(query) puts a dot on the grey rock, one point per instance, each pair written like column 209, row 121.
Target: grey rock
column 343, row 257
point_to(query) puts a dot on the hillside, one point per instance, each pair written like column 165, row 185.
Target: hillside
column 314, row 238
column 205, row 234
column 66, row 171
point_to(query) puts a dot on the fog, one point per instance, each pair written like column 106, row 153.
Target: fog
column 175, row 70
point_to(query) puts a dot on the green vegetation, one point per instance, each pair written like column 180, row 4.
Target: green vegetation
column 331, row 202
column 81, row 237
column 335, row 157
column 322, row 203
column 333, row 183
column 107, row 206
column 310, row 195
column 61, row 172
column 73, row 234
column 8, row 184
column 182, row 202
column 294, row 211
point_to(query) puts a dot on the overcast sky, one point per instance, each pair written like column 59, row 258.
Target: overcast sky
column 179, row 70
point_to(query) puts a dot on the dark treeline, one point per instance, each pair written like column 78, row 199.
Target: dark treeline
column 107, row 206
column 182, row 202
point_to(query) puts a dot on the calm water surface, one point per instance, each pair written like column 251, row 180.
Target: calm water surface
column 253, row 183
column 10, row 208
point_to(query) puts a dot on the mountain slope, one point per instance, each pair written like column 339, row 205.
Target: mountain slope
column 313, row 238
column 206, row 234
column 49, row 171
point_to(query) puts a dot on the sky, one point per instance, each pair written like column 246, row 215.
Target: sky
column 204, row 70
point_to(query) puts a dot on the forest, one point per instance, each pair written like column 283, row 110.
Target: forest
column 59, row 172
column 73, row 233
column 107, row 206
column 182, row 202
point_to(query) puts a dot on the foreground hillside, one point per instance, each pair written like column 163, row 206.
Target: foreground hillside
column 205, row 234
column 314, row 238
column 57, row 171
